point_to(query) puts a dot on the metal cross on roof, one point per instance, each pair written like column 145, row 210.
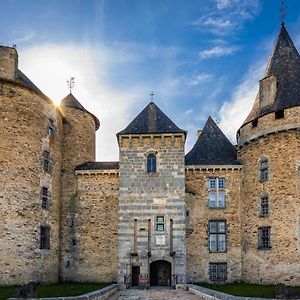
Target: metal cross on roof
column 71, row 83
column 151, row 95
column 282, row 12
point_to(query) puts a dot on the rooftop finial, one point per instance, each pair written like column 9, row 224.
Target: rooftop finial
column 151, row 95
column 282, row 12
column 71, row 84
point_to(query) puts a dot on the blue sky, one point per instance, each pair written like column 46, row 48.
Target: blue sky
column 199, row 57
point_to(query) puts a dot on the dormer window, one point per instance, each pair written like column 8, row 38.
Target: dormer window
column 267, row 91
column 151, row 163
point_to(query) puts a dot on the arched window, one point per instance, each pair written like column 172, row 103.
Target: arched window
column 151, row 163
column 264, row 169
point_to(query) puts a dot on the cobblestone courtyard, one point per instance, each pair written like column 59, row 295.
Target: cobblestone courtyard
column 154, row 294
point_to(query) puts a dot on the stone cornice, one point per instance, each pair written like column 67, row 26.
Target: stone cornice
column 248, row 139
column 213, row 167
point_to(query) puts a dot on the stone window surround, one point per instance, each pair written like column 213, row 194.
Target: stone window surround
column 263, row 171
column 157, row 155
column 160, row 223
column 217, row 189
column 45, row 197
column 218, row 233
column 262, row 196
column 47, row 162
column 219, row 266
column 260, row 245
column 151, row 163
column 44, row 237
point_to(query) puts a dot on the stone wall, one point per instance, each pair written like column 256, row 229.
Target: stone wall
column 78, row 147
column 198, row 215
column 24, row 117
column 8, row 63
column 143, row 196
column 93, row 250
column 280, row 262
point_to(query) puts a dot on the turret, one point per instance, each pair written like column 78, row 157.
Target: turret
column 30, row 166
column 78, row 148
column 269, row 148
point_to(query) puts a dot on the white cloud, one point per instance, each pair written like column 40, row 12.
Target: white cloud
column 234, row 112
column 89, row 67
column 229, row 17
column 203, row 77
column 217, row 51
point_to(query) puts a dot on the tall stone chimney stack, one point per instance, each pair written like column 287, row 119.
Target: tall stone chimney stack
column 8, row 63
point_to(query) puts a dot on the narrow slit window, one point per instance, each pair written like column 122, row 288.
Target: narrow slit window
column 45, row 197
column 47, row 164
column 264, row 206
column 264, row 169
column 264, row 238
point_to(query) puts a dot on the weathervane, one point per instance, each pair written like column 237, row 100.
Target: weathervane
column 283, row 12
column 71, row 84
column 151, row 95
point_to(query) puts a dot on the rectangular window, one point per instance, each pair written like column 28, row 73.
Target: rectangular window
column 264, row 237
column 160, row 223
column 218, row 271
column 216, row 192
column 47, row 164
column 44, row 237
column 51, row 129
column 217, row 236
column 264, row 206
column 45, row 197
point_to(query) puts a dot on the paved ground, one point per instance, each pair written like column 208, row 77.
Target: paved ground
column 154, row 294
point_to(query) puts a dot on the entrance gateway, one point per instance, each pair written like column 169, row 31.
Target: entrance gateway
column 160, row 273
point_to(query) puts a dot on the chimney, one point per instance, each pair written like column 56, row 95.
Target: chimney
column 8, row 63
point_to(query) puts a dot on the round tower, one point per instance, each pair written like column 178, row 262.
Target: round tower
column 269, row 148
column 79, row 127
column 30, row 166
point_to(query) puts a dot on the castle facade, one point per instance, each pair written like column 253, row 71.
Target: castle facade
column 220, row 213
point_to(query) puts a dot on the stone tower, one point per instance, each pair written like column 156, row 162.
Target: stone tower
column 78, row 147
column 151, row 230
column 269, row 148
column 30, row 167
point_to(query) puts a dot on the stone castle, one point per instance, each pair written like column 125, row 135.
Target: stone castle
column 221, row 213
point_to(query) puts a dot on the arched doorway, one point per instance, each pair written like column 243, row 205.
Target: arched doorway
column 160, row 273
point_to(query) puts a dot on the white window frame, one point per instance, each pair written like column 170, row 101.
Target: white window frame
column 216, row 187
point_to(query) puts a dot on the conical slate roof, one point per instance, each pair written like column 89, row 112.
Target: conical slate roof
column 284, row 64
column 151, row 120
column 72, row 102
column 25, row 81
column 212, row 148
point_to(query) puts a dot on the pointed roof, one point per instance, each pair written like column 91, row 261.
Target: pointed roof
column 284, row 64
column 212, row 148
column 151, row 120
column 72, row 102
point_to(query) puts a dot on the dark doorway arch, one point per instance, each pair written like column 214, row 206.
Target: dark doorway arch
column 160, row 273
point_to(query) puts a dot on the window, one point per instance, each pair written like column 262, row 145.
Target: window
column 151, row 163
column 264, row 237
column 160, row 223
column 45, row 197
column 264, row 206
column 217, row 236
column 47, row 164
column 216, row 192
column 44, row 237
column 51, row 129
column 279, row 114
column 264, row 172
column 218, row 271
